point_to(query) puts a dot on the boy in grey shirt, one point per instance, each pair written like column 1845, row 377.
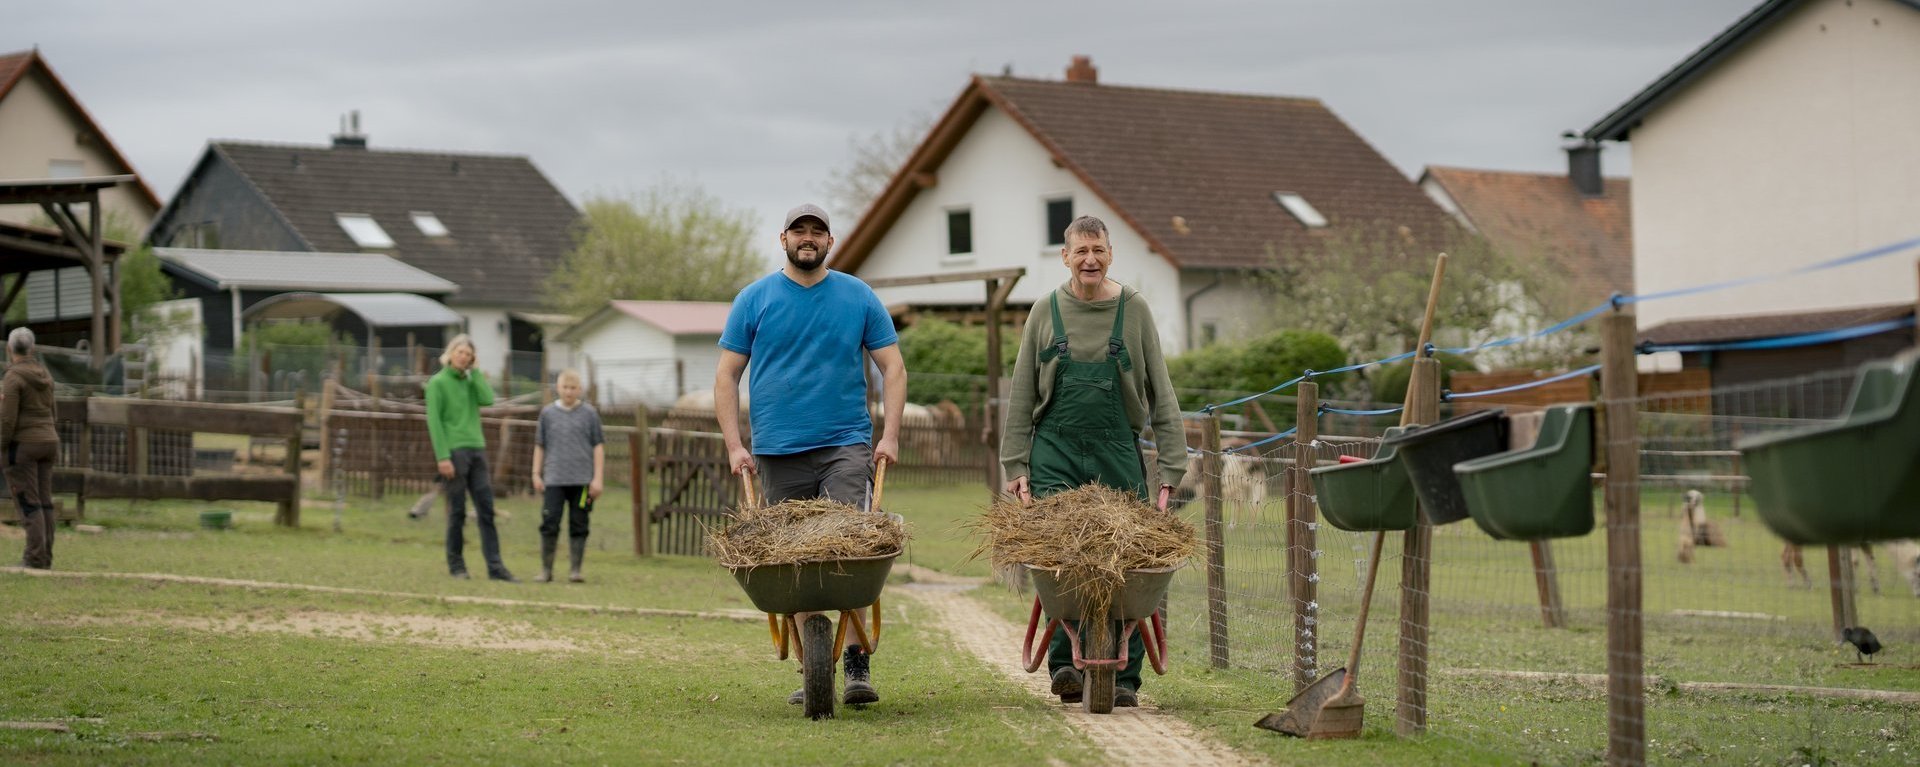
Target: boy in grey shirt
column 569, row 467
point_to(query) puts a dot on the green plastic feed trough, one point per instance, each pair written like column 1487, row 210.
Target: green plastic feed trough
column 1851, row 481
column 1544, row 491
column 1367, row 496
column 216, row 520
column 1429, row 453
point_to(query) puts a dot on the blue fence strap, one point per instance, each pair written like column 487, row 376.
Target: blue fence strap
column 1449, row 396
column 1786, row 342
column 1252, row 445
column 1344, row 411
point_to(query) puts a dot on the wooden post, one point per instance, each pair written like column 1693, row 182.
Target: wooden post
column 637, row 448
column 137, row 459
column 377, row 470
column 193, row 373
column 994, row 481
column 1546, row 579
column 1841, row 588
column 679, row 378
column 97, row 273
column 593, row 385
column 1626, row 683
column 1301, row 545
column 1416, row 571
column 1216, row 542
column 324, row 417
column 289, row 515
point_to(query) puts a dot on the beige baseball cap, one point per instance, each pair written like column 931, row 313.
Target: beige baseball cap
column 804, row 211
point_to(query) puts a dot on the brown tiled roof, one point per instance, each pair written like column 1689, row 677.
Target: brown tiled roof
column 14, row 66
column 507, row 225
column 1589, row 240
column 1742, row 327
column 1212, row 159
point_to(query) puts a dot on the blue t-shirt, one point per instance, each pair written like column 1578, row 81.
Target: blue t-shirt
column 806, row 367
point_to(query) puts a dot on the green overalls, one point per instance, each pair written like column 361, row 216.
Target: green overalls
column 1083, row 436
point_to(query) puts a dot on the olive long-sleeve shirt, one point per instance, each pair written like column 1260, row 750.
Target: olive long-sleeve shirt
column 1146, row 388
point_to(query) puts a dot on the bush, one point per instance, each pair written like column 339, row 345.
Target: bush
column 946, row 360
column 296, row 346
column 1257, row 365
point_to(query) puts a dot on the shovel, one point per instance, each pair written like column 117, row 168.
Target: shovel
column 1331, row 707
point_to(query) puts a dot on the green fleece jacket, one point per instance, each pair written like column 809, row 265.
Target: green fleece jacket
column 1147, row 390
column 454, row 400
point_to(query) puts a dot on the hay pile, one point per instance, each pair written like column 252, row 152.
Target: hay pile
column 1092, row 535
column 792, row 532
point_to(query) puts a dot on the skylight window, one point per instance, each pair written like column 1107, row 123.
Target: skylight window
column 364, row 230
column 1301, row 209
column 429, row 224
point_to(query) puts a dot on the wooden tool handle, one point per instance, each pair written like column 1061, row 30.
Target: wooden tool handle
column 879, row 483
column 748, row 498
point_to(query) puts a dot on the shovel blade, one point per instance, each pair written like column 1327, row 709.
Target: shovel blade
column 1300, row 717
column 1339, row 719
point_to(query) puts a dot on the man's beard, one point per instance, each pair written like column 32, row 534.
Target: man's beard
column 804, row 262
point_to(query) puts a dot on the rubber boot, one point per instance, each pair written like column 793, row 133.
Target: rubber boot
column 859, row 689
column 576, row 550
column 547, row 545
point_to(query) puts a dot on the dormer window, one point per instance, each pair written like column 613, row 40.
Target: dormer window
column 1301, row 209
column 429, row 224
column 364, row 230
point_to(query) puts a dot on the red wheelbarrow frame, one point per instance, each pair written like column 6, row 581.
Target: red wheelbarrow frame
column 1152, row 630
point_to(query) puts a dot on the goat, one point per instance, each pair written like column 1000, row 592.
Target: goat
column 1696, row 529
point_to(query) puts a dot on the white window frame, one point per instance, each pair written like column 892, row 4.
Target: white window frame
column 429, row 224
column 376, row 239
column 1301, row 210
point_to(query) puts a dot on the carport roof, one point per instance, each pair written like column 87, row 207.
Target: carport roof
column 378, row 310
column 317, row 272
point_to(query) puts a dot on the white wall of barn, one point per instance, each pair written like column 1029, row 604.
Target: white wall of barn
column 1801, row 147
column 1005, row 178
column 629, row 360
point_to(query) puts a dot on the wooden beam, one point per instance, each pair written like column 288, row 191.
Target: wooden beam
column 925, row 179
column 13, row 293
column 204, row 488
column 193, row 416
column 934, row 279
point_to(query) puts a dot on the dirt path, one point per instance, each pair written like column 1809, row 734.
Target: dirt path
column 1143, row 735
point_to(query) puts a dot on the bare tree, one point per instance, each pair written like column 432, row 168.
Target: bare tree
column 872, row 161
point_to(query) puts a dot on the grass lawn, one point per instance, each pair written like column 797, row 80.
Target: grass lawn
column 169, row 673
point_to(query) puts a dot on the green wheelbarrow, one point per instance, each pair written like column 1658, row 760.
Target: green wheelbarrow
column 797, row 598
column 1096, row 651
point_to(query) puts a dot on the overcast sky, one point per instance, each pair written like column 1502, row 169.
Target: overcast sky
column 756, row 101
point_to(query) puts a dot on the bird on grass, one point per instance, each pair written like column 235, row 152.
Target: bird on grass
column 1865, row 644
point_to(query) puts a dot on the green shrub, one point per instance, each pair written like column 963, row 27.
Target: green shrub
column 946, row 360
column 1257, row 365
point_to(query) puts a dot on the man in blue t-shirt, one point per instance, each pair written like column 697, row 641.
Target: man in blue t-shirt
column 807, row 331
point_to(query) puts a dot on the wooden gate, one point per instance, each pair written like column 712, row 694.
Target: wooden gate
column 696, row 489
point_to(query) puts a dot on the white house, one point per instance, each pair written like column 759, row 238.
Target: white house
column 1792, row 137
column 1196, row 188
column 648, row 351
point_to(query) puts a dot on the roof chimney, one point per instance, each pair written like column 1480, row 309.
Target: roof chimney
column 1082, row 71
column 350, row 136
column 1583, row 165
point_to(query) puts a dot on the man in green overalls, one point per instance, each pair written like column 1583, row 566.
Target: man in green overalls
column 1090, row 377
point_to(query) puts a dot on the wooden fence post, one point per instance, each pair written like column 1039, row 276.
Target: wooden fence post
column 289, row 515
column 1216, row 542
column 1301, row 539
column 1416, row 572
column 324, row 417
column 1546, row 579
column 1626, row 683
column 638, row 446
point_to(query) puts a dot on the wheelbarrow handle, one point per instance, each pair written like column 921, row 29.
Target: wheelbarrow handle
column 879, row 482
column 1165, row 494
column 748, row 498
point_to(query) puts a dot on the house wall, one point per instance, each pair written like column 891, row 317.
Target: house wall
column 632, row 360
column 1231, row 304
column 488, row 325
column 41, row 126
column 1006, row 177
column 1799, row 148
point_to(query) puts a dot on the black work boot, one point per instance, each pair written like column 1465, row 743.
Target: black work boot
column 577, row 550
column 548, row 543
column 859, row 689
column 1066, row 684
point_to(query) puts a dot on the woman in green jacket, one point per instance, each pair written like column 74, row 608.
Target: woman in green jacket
column 454, row 398
column 1089, row 379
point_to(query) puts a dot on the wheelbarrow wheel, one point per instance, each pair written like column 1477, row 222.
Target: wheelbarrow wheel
column 816, row 666
column 1100, row 643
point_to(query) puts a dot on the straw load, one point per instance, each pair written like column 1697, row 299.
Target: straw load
column 794, row 532
column 1091, row 535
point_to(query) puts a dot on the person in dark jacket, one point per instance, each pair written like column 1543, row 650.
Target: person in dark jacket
column 31, row 444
